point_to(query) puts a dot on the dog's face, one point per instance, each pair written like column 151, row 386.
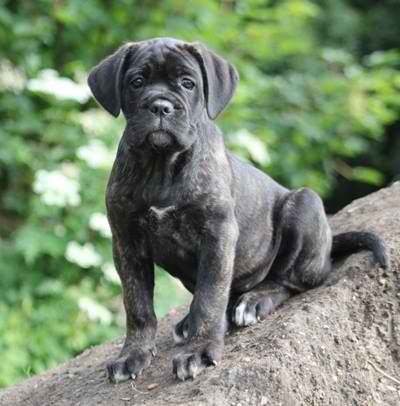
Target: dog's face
column 164, row 87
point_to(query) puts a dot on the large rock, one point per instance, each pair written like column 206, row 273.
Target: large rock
column 335, row 345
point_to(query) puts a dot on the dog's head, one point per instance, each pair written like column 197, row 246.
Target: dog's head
column 163, row 86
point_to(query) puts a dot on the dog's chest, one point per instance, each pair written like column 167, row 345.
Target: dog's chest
column 159, row 214
column 175, row 233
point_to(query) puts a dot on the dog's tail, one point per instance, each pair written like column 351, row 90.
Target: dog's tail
column 354, row 241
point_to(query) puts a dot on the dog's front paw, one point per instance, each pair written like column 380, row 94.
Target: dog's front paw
column 130, row 364
column 195, row 357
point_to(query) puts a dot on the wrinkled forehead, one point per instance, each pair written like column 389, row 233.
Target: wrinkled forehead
column 164, row 55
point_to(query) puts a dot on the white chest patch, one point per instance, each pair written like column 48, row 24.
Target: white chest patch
column 161, row 212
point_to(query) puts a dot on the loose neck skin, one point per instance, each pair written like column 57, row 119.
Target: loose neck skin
column 154, row 175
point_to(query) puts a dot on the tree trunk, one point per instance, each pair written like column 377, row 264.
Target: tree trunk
column 335, row 345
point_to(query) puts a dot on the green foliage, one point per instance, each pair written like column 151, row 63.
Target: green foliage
column 319, row 84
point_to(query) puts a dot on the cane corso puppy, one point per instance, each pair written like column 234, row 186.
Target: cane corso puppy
column 236, row 239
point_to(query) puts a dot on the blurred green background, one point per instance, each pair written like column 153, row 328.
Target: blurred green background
column 318, row 105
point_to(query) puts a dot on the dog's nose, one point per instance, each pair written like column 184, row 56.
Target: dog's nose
column 161, row 107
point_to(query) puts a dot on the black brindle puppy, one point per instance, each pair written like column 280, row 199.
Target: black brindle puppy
column 239, row 241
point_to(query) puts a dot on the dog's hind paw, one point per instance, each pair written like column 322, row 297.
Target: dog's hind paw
column 255, row 306
column 181, row 330
column 245, row 314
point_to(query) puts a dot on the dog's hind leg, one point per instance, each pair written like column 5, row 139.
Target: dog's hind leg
column 302, row 262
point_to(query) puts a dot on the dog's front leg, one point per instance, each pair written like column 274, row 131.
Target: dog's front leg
column 207, row 316
column 134, row 264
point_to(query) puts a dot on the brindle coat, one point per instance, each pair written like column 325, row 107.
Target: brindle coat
column 239, row 241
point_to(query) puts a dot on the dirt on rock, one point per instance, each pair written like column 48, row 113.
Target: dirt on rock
column 335, row 345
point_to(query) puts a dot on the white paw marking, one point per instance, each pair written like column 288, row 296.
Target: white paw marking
column 239, row 314
column 177, row 338
column 244, row 317
column 193, row 370
column 118, row 376
column 180, row 374
column 249, row 318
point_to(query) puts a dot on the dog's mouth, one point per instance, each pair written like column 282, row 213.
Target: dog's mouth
column 160, row 139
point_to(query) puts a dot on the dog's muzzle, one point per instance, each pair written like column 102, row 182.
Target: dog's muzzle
column 160, row 139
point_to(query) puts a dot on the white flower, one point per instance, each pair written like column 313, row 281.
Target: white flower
column 59, row 187
column 98, row 222
column 49, row 82
column 11, row 78
column 95, row 311
column 95, row 154
column 95, row 121
column 254, row 147
column 69, row 169
column 110, row 273
column 83, row 255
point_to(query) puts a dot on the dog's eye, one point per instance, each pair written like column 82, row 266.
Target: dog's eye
column 137, row 82
column 188, row 84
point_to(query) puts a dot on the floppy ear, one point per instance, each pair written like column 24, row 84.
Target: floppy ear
column 219, row 77
column 105, row 80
